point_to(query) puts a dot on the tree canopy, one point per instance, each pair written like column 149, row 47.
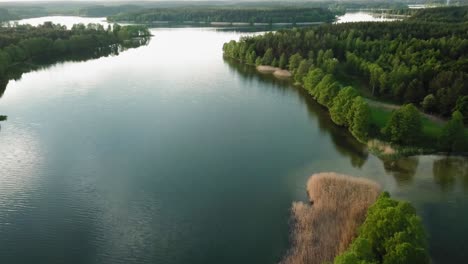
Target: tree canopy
column 392, row 233
column 401, row 61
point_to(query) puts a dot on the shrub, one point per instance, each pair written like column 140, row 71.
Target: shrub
column 391, row 233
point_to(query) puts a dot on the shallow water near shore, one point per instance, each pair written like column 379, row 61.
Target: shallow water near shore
column 171, row 154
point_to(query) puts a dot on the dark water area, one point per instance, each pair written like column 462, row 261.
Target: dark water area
column 169, row 153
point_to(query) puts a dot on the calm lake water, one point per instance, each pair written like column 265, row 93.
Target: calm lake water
column 360, row 16
column 170, row 154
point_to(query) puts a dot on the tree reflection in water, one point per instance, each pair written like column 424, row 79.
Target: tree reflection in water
column 403, row 169
column 16, row 72
column 344, row 143
column 448, row 170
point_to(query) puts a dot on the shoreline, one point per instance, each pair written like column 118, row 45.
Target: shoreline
column 382, row 150
column 276, row 71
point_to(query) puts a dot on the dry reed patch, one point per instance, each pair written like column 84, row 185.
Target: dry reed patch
column 325, row 229
column 381, row 147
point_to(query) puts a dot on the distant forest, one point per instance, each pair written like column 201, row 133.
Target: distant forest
column 286, row 15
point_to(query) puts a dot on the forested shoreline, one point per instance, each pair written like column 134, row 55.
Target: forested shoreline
column 50, row 42
column 417, row 63
column 231, row 15
column 25, row 47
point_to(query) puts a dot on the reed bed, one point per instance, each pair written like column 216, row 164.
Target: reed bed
column 324, row 228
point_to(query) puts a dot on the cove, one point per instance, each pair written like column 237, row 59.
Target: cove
column 170, row 154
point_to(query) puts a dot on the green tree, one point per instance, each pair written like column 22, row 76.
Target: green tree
column 324, row 89
column 452, row 137
column 294, row 62
column 330, row 65
column 375, row 71
column 360, row 124
column 342, row 104
column 312, row 79
column 404, row 125
column 268, row 57
column 301, row 71
column 462, row 107
column 282, row 61
column 392, row 233
column 429, row 103
column 258, row 61
column 250, row 58
column 327, row 91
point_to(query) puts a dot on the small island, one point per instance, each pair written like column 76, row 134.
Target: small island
column 350, row 221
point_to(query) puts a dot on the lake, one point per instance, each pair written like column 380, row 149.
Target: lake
column 360, row 16
column 170, row 154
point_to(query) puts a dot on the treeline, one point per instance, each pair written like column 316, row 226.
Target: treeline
column 452, row 14
column 415, row 63
column 391, row 233
column 104, row 11
column 224, row 14
column 399, row 61
column 5, row 15
column 347, row 108
column 50, row 42
column 27, row 45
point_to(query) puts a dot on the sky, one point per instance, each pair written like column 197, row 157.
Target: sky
column 125, row 0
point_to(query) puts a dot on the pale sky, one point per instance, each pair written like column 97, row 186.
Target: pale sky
column 130, row 1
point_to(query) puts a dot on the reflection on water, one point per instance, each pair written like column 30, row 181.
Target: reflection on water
column 343, row 141
column 16, row 72
column 3, row 86
column 450, row 172
column 436, row 186
column 402, row 169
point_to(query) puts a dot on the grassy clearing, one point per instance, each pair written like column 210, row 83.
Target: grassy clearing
column 431, row 129
column 325, row 229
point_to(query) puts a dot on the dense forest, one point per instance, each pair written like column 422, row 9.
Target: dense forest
column 5, row 15
column 421, row 63
column 448, row 14
column 246, row 15
column 50, row 42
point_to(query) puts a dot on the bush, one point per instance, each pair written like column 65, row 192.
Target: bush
column 392, row 233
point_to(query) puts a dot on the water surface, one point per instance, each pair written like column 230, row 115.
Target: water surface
column 365, row 16
column 170, row 154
